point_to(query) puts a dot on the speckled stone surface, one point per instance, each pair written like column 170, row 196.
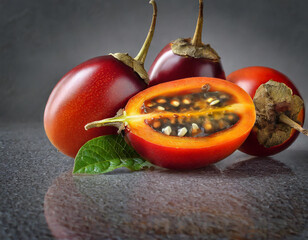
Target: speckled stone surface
column 241, row 197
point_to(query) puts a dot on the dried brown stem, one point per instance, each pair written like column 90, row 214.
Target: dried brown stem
column 285, row 119
column 146, row 45
column 197, row 39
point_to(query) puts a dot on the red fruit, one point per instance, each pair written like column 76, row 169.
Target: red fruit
column 188, row 123
column 274, row 135
column 185, row 58
column 94, row 89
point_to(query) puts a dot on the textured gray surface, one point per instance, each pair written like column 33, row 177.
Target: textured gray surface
column 238, row 198
column 28, row 165
column 42, row 40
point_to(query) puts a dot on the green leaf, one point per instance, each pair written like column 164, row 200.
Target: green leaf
column 107, row 153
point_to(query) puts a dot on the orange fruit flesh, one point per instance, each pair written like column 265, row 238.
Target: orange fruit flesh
column 165, row 106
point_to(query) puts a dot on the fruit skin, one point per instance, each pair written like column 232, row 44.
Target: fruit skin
column 183, row 158
column 93, row 90
column 168, row 66
column 185, row 153
column 250, row 78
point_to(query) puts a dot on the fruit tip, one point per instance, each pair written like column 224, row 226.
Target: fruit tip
column 153, row 3
column 91, row 125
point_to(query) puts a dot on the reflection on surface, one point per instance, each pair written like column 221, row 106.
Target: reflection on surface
column 253, row 199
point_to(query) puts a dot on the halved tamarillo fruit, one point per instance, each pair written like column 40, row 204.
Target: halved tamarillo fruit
column 187, row 123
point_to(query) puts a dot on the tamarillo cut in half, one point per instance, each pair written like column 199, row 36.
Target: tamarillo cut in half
column 186, row 124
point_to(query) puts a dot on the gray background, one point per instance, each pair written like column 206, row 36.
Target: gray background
column 40, row 40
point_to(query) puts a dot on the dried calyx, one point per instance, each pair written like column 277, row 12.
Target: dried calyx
column 137, row 63
column 277, row 112
column 194, row 47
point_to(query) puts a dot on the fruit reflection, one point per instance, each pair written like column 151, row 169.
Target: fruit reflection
column 248, row 200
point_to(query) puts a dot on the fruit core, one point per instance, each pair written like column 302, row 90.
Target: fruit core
column 198, row 113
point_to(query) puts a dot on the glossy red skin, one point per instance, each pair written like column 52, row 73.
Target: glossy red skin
column 250, row 78
column 168, row 66
column 95, row 89
column 181, row 158
column 185, row 153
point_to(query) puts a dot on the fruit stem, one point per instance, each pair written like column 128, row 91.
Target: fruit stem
column 285, row 119
column 197, row 39
column 146, row 45
column 114, row 121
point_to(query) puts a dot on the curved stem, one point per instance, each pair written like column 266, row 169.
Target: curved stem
column 144, row 50
column 285, row 119
column 114, row 121
column 197, row 39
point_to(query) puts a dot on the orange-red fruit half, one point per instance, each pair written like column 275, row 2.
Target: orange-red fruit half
column 186, row 124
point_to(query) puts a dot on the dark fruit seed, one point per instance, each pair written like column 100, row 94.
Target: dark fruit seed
column 191, row 126
column 187, row 102
column 175, row 103
column 214, row 102
column 208, row 126
column 161, row 100
column 156, row 124
column 167, row 130
column 222, row 124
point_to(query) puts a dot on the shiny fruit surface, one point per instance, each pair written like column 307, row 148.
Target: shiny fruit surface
column 186, row 57
column 188, row 123
column 168, row 67
column 92, row 90
column 250, row 79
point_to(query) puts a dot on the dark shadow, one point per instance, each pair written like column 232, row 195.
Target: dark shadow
column 211, row 169
column 258, row 167
column 208, row 170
